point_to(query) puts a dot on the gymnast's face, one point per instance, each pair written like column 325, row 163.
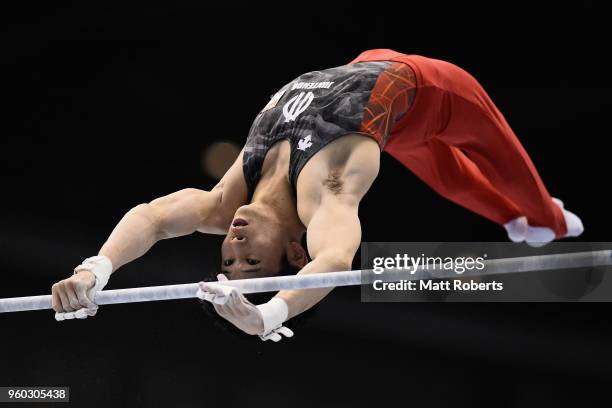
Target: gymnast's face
column 256, row 245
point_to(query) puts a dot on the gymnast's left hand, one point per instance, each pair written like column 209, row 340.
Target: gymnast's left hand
column 232, row 306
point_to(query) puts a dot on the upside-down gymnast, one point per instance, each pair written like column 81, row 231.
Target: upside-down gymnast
column 311, row 155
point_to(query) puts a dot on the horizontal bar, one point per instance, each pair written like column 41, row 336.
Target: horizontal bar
column 327, row 280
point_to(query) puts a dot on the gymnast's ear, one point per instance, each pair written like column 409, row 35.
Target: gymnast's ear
column 296, row 255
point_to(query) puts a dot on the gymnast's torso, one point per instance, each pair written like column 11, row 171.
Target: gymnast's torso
column 317, row 110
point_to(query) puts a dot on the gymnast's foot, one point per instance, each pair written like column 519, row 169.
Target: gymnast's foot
column 572, row 221
column 519, row 230
column 539, row 236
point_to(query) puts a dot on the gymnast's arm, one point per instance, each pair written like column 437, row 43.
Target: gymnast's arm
column 330, row 212
column 334, row 235
column 180, row 213
column 175, row 215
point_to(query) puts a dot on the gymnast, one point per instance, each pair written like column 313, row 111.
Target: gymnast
column 310, row 156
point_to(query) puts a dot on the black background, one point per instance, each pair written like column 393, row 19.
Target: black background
column 105, row 108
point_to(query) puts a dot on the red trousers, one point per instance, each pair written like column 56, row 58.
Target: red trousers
column 456, row 140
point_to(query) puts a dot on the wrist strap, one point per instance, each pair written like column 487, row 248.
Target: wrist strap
column 100, row 266
column 274, row 314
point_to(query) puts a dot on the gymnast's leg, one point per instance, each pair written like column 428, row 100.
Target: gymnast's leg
column 479, row 129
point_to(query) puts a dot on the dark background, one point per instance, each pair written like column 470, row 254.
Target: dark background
column 105, row 108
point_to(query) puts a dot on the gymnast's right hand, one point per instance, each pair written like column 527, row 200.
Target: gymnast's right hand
column 74, row 298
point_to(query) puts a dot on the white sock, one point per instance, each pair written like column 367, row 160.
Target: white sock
column 539, row 236
column 517, row 229
column 572, row 221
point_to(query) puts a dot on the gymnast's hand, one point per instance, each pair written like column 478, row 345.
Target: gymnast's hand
column 232, row 306
column 74, row 298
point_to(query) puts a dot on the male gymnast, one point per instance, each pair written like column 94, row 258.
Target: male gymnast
column 311, row 155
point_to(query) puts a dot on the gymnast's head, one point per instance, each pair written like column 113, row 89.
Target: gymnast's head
column 260, row 243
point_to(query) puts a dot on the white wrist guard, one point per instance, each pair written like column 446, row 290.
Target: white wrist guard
column 274, row 314
column 100, row 266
